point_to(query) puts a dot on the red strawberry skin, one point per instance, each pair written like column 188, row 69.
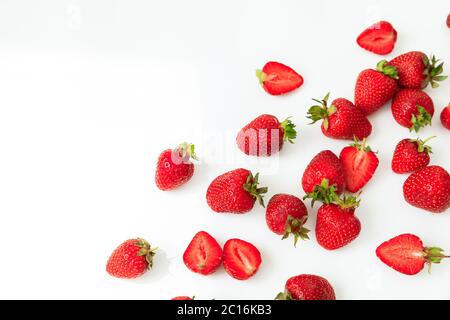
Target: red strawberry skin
column 182, row 298
column 403, row 253
column 428, row 189
column 277, row 78
column 336, row 227
column 410, row 67
column 405, row 105
column 308, row 287
column 172, row 171
column 448, row 21
column 407, row 157
column 203, row 254
column 241, row 259
column 379, row 38
column 445, row 117
column 325, row 165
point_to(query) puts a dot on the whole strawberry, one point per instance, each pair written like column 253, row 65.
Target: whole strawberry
column 235, row 191
column 131, row 259
column 411, row 155
column 415, row 70
column 265, row 135
column 307, row 287
column 375, row 87
column 412, row 109
column 341, row 120
column 285, row 215
column 203, row 254
column 174, row 167
column 277, row 78
column 407, row 254
column 445, row 117
column 379, row 38
column 428, row 189
column 241, row 259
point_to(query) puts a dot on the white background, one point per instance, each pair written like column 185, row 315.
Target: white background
column 92, row 91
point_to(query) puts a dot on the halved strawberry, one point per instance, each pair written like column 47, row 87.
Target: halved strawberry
column 379, row 38
column 359, row 163
column 203, row 255
column 241, row 259
column 277, row 78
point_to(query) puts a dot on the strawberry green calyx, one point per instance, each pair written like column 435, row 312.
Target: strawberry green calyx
column 286, row 295
column 261, row 76
column 348, row 202
column 387, row 70
column 360, row 145
column 295, row 227
column 422, row 119
column 323, row 192
column 321, row 111
column 433, row 255
column 186, row 151
column 147, row 251
column 421, row 144
column 289, row 130
column 251, row 186
column 433, row 71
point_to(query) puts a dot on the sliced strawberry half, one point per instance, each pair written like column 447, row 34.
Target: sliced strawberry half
column 379, row 38
column 203, row 255
column 277, row 78
column 241, row 259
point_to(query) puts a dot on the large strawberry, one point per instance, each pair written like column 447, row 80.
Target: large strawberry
column 411, row 155
column 235, row 191
column 203, row 254
column 445, row 117
column 241, row 259
column 415, row 70
column 412, row 108
column 131, row 259
column 285, row 215
column 307, row 287
column 407, row 254
column 277, row 78
column 265, row 135
column 174, row 167
column 341, row 120
column 375, row 87
column 428, row 189
column 359, row 163
column 379, row 38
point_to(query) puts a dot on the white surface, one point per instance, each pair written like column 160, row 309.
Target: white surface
column 92, row 91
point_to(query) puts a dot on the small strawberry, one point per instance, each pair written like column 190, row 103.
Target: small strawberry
column 445, row 117
column 286, row 215
column 131, row 259
column 235, row 191
column 415, row 70
column 448, row 21
column 375, row 87
column 411, row 155
column 412, row 109
column 265, row 135
column 203, row 254
column 428, row 189
column 406, row 254
column 341, row 120
column 183, row 298
column 307, row 287
column 277, row 78
column 359, row 163
column 174, row 167
column 379, row 38
column 241, row 259
column 324, row 166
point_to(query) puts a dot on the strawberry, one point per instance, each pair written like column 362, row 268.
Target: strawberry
column 307, row 287
column 277, row 78
column 131, row 259
column 265, row 135
column 235, row 191
column 412, row 109
column 445, row 117
column 428, row 189
column 359, row 163
column 411, row 155
column 286, row 215
column 448, row 21
column 375, row 87
column 241, row 259
column 324, row 166
column 415, row 70
column 341, row 120
column 182, row 298
column 379, row 38
column 174, row 167
column 406, row 254
column 203, row 254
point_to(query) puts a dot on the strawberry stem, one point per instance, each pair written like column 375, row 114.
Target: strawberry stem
column 387, row 70
column 261, row 76
column 289, row 130
column 295, row 227
column 421, row 144
column 147, row 251
column 321, row 111
column 186, row 151
column 433, row 255
column 251, row 186
column 433, row 71
column 323, row 192
column 422, row 119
